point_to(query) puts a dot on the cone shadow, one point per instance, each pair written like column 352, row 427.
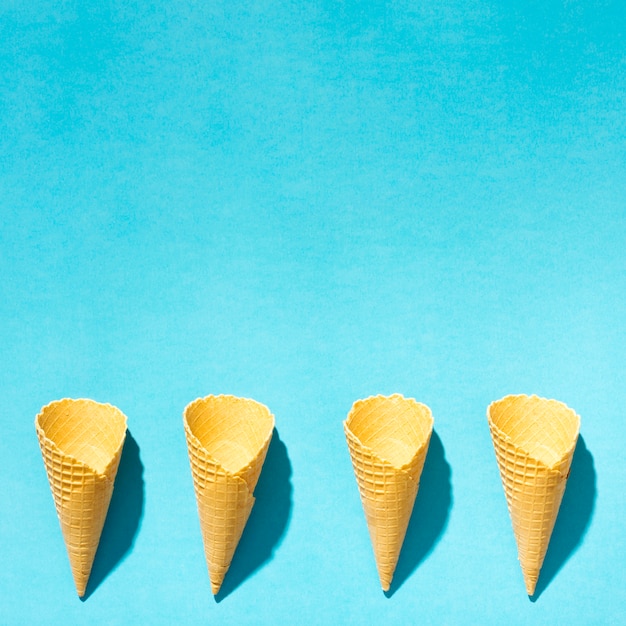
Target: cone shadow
column 123, row 518
column 430, row 514
column 574, row 516
column 268, row 521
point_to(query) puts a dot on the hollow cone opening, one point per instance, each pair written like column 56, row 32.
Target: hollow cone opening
column 544, row 429
column 232, row 431
column 393, row 427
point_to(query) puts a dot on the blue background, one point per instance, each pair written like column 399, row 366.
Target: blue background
column 308, row 203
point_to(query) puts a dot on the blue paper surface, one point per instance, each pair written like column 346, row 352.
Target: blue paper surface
column 307, row 203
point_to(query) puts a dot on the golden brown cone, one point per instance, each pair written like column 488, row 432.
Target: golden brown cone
column 534, row 440
column 81, row 442
column 388, row 438
column 227, row 441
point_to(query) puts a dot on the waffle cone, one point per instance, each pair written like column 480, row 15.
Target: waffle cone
column 388, row 439
column 81, row 442
column 534, row 440
column 227, row 441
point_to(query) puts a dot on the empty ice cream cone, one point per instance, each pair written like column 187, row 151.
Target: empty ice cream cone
column 388, row 439
column 534, row 440
column 227, row 440
column 81, row 443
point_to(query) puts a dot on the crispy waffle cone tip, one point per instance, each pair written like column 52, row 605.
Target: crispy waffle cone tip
column 388, row 439
column 534, row 441
column 81, row 442
column 227, row 441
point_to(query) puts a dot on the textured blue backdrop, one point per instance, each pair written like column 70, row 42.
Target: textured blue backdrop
column 308, row 203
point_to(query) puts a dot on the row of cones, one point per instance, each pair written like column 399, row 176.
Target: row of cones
column 228, row 439
column 81, row 443
column 534, row 440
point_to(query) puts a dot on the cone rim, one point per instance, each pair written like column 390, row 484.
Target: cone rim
column 71, row 458
column 509, row 440
column 217, row 462
column 404, row 467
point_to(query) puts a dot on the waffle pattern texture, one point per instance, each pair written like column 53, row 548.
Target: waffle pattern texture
column 227, row 441
column 534, row 441
column 81, row 442
column 388, row 440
